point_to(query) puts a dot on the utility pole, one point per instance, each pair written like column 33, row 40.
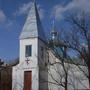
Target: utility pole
column 1, row 63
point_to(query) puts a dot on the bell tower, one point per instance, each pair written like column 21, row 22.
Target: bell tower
column 31, row 70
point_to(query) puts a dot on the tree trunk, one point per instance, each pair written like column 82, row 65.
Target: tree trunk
column 88, row 65
column 89, row 60
column 89, row 78
column 89, row 74
column 66, row 82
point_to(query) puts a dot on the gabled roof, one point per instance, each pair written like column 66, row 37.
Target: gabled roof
column 32, row 27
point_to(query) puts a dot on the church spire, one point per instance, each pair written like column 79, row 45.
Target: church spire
column 33, row 27
column 54, row 33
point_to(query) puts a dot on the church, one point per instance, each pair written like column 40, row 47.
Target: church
column 32, row 72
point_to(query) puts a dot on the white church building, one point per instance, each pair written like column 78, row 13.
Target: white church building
column 33, row 71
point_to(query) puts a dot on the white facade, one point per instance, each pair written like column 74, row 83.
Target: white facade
column 32, row 34
column 33, row 64
column 18, row 71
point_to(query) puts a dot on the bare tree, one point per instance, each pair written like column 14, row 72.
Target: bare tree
column 77, row 41
column 78, row 38
column 62, row 70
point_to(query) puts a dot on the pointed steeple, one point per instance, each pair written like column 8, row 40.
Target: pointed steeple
column 33, row 27
column 54, row 33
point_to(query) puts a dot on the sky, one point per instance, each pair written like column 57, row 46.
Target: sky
column 13, row 14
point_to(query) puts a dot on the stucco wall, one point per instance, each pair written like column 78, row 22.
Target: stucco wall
column 43, row 70
column 18, row 78
column 76, row 78
column 34, row 43
column 32, row 65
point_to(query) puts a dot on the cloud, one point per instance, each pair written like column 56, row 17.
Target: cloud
column 2, row 17
column 24, row 9
column 41, row 11
column 9, row 23
column 5, row 22
column 59, row 9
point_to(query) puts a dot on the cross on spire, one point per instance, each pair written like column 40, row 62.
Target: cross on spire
column 53, row 22
column 54, row 33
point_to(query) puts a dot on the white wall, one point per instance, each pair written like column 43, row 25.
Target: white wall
column 76, row 78
column 43, row 73
column 18, row 70
column 34, row 43
column 18, row 78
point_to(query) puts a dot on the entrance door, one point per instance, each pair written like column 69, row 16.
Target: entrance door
column 27, row 80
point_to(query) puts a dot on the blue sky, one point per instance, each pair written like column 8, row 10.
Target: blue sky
column 13, row 14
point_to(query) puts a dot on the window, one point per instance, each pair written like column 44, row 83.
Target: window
column 28, row 51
